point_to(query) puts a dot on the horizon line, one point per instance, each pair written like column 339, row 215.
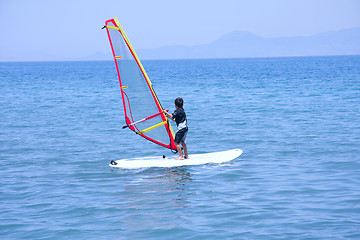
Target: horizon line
column 186, row 59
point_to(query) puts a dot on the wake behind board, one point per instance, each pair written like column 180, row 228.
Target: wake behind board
column 162, row 161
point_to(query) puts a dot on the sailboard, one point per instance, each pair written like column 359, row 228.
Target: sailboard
column 163, row 161
column 143, row 111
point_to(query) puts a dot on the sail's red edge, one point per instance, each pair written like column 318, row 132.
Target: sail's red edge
column 116, row 65
column 152, row 92
column 170, row 146
column 154, row 141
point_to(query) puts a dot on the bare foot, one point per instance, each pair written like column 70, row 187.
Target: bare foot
column 186, row 157
column 179, row 158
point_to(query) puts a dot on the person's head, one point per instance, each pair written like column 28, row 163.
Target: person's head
column 179, row 102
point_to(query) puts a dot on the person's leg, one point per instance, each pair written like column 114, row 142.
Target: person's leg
column 185, row 149
column 178, row 148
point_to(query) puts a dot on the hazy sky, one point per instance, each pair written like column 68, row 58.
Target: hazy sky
column 52, row 29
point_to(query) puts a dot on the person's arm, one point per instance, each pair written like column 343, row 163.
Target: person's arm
column 170, row 116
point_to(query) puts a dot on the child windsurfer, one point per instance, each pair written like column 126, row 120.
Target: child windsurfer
column 179, row 117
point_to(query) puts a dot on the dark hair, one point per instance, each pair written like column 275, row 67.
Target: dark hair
column 179, row 102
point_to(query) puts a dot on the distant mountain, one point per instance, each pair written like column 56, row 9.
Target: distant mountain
column 245, row 44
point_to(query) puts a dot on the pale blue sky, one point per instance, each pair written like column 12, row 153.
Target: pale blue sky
column 49, row 30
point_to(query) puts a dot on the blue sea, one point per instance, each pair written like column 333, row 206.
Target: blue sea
column 296, row 119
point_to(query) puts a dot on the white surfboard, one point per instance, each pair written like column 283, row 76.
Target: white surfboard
column 162, row 161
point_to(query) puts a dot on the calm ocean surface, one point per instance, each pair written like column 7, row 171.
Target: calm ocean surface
column 296, row 119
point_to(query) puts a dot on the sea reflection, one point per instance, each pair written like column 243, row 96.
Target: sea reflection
column 154, row 197
column 177, row 179
column 177, row 176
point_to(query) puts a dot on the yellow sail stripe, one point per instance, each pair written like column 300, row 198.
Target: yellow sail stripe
column 111, row 27
column 152, row 127
column 171, row 130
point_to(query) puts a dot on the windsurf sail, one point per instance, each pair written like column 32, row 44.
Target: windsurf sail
column 143, row 111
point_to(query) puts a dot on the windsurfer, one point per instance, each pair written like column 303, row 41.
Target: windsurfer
column 179, row 117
